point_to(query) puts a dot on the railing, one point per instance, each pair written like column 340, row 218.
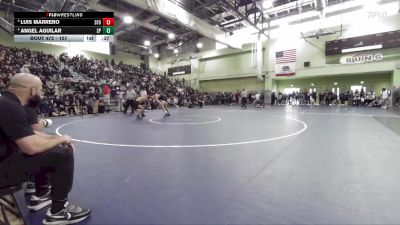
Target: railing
column 6, row 26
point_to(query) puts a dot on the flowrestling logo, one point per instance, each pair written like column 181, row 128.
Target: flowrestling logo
column 361, row 58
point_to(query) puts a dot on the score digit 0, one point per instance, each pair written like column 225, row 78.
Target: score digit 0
column 108, row 21
column 108, row 30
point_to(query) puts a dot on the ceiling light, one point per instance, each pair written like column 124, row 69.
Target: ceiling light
column 128, row 19
column 335, row 83
column 156, row 55
column 199, row 45
column 146, row 42
column 291, row 85
column 171, row 35
column 312, row 84
column 176, row 51
column 267, row 4
column 362, row 82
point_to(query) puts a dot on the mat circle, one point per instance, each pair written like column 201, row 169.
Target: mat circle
column 193, row 146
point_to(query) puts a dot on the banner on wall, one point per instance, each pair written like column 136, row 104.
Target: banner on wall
column 285, row 63
column 365, row 57
column 361, row 58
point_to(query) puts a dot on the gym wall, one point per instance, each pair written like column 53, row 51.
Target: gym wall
column 233, row 84
column 220, row 65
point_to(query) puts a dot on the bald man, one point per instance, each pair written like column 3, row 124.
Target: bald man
column 25, row 152
column 36, row 124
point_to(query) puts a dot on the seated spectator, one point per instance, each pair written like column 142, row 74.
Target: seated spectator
column 45, row 107
column 201, row 101
column 68, row 103
column 101, row 106
column 377, row 102
column 258, row 101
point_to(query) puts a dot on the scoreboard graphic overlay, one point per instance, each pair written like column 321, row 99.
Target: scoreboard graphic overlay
column 64, row 26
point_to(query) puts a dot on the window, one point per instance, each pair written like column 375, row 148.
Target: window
column 290, row 90
column 358, row 87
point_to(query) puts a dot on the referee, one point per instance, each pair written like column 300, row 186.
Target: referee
column 130, row 99
column 25, row 152
column 243, row 95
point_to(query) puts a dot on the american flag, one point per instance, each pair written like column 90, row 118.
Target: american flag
column 285, row 63
column 285, row 56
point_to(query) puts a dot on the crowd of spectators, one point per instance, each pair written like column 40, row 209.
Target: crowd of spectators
column 77, row 85
column 356, row 98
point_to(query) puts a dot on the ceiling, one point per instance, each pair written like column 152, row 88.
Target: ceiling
column 223, row 15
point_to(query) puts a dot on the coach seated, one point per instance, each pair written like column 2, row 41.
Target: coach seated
column 25, row 153
column 369, row 98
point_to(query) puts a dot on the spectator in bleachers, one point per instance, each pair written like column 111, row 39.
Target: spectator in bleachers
column 2, row 85
column 106, row 97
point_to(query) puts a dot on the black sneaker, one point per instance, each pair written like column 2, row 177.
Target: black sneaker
column 37, row 203
column 70, row 214
column 30, row 188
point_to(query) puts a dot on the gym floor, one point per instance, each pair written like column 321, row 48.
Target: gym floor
column 223, row 165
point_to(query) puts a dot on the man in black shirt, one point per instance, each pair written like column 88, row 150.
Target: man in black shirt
column 24, row 152
column 32, row 112
column 32, row 116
